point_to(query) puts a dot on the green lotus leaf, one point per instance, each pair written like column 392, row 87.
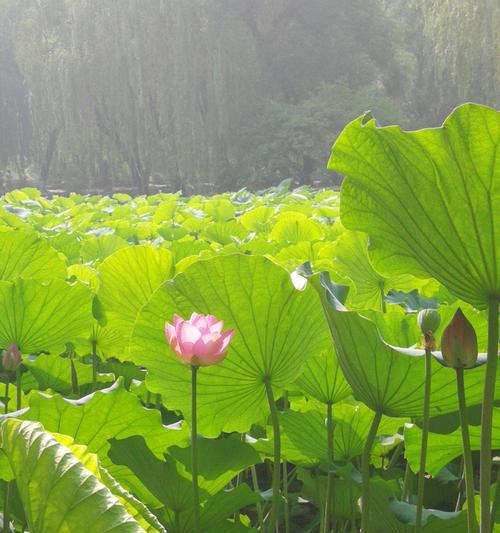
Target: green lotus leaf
column 295, row 227
column 429, row 199
column 220, row 209
column 351, row 261
column 323, row 380
column 442, row 449
column 24, row 255
column 109, row 413
column 219, row 461
column 165, row 211
column 68, row 497
column 91, row 462
column 43, row 317
column 392, row 516
column 346, row 494
column 277, row 329
column 223, row 232
column 128, row 279
column 304, row 435
column 257, row 219
column 54, row 373
column 99, row 247
column 385, row 378
column 85, row 274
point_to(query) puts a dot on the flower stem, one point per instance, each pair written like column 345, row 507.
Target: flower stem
column 6, row 506
column 94, row 366
column 365, row 472
column 285, row 478
column 256, row 488
column 6, row 404
column 423, row 444
column 407, row 484
column 277, row 456
column 496, row 498
column 18, row 387
column 329, row 499
column 487, row 415
column 194, row 457
column 468, row 469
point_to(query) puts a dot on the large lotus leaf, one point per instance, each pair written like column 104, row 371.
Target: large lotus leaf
column 304, row 435
column 223, row 232
column 25, row 255
column 91, row 462
column 319, row 254
column 345, row 495
column 128, row 279
column 323, row 380
column 219, row 461
column 54, row 373
column 68, row 497
column 351, row 261
column 277, row 329
column 220, row 209
column 109, row 413
column 396, row 327
column 169, row 479
column 444, row 448
column 389, row 515
column 43, row 317
column 257, row 219
column 388, row 380
column 223, row 505
column 295, row 227
column 429, row 199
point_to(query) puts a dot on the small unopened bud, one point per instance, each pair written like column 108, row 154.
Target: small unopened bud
column 428, row 321
column 11, row 358
column 459, row 342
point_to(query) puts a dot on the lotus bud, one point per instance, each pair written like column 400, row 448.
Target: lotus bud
column 11, row 358
column 459, row 342
column 428, row 321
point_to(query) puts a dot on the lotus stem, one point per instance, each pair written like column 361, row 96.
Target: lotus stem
column 407, row 483
column 256, row 488
column 425, row 437
column 468, row 469
column 487, row 415
column 365, row 472
column 6, row 506
column 329, row 501
column 74, row 376
column 194, row 452
column 285, row 479
column 6, row 404
column 94, row 366
column 496, row 498
column 277, row 456
column 18, row 387
column 460, row 484
column 395, row 456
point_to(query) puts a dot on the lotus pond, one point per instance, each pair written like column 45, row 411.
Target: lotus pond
column 351, row 385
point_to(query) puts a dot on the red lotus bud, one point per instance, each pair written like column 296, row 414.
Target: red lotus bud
column 459, row 342
column 11, row 358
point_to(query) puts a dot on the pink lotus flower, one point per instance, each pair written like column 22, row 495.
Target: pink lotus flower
column 198, row 341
